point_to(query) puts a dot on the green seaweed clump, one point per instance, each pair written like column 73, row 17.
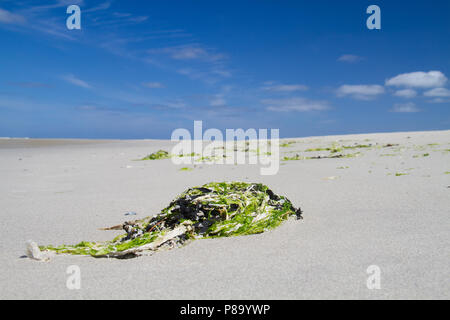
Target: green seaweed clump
column 158, row 155
column 422, row 155
column 213, row 210
column 331, row 149
column 296, row 157
column 287, row 144
column 358, row 146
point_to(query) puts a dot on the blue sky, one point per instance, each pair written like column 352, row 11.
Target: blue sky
column 140, row 69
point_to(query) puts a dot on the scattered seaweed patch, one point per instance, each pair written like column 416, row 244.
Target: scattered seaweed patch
column 192, row 154
column 293, row 158
column 421, row 155
column 210, row 158
column 331, row 156
column 399, row 174
column 210, row 211
column 162, row 154
column 158, row 155
column 350, row 155
column 336, row 148
column 336, row 156
column 287, row 144
column 319, row 149
column 358, row 146
column 389, row 145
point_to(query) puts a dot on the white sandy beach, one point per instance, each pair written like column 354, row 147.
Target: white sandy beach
column 368, row 213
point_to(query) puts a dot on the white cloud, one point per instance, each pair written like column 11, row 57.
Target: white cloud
column 418, row 79
column 58, row 4
column 349, row 58
column 406, row 93
column 437, row 92
column 10, row 18
column 405, row 108
column 294, row 104
column 176, row 104
column 88, row 107
column 153, row 85
column 138, row 19
column 439, row 100
column 218, row 102
column 121, row 14
column 286, row 87
column 102, row 6
column 361, row 92
column 189, row 52
column 75, row 81
column 221, row 72
column 29, row 84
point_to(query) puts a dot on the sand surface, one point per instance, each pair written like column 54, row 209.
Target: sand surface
column 357, row 212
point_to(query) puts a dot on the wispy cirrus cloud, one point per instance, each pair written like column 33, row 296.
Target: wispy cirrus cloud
column 419, row 79
column 192, row 60
column 439, row 100
column 218, row 101
column 360, row 92
column 70, row 78
column 221, row 72
column 118, row 21
column 29, row 17
column 29, row 84
column 101, row 6
column 405, row 108
column 296, row 104
column 285, row 87
column 350, row 58
column 121, row 14
column 89, row 107
column 8, row 17
column 42, row 18
column 209, row 76
column 153, row 85
column 174, row 104
column 188, row 52
column 32, row 8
